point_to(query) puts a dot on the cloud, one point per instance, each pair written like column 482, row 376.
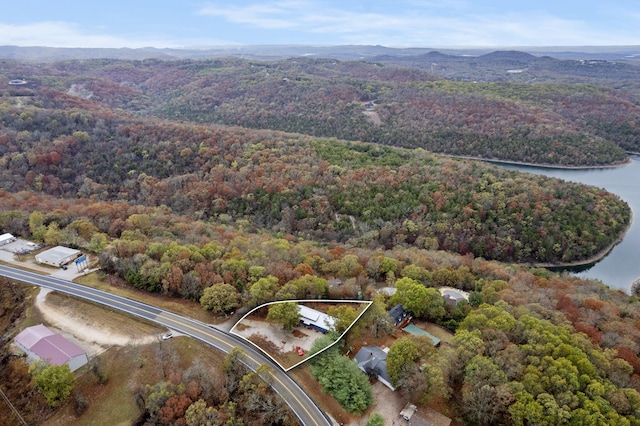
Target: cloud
column 417, row 23
column 274, row 15
column 65, row 34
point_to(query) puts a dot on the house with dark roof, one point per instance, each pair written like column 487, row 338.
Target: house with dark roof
column 373, row 361
column 38, row 342
column 400, row 316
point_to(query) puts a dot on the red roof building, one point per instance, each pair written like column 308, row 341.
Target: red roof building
column 41, row 343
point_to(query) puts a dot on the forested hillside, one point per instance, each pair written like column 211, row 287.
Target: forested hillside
column 531, row 347
column 602, row 69
column 547, row 123
column 228, row 217
column 309, row 187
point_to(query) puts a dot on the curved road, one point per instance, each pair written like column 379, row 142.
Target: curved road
column 300, row 403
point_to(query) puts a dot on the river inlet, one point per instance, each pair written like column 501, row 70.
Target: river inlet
column 621, row 266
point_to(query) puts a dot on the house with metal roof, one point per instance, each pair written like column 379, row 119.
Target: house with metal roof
column 453, row 296
column 39, row 342
column 316, row 319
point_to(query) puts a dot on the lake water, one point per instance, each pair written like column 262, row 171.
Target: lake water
column 622, row 265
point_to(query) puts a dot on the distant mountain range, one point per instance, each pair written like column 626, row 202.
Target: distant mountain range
column 351, row 52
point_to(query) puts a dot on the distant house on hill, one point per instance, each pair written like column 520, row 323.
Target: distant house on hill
column 400, row 316
column 38, row 342
column 373, row 361
column 453, row 296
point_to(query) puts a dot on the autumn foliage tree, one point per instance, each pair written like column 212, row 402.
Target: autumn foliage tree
column 220, row 299
column 55, row 382
column 285, row 313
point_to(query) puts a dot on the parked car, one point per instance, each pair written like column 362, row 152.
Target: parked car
column 299, row 350
column 167, row 336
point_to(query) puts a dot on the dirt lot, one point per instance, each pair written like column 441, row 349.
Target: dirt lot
column 92, row 333
column 285, row 340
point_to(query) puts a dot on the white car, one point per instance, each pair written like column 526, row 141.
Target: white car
column 167, row 336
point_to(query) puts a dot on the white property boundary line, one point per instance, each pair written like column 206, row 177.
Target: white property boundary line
column 366, row 302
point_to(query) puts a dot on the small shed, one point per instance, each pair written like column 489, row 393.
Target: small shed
column 408, row 411
column 41, row 343
column 58, row 256
column 316, row 319
column 6, row 239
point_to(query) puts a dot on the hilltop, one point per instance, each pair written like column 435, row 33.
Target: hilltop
column 577, row 119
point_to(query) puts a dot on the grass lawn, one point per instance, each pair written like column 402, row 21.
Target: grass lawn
column 441, row 333
column 110, row 319
column 128, row 368
column 117, row 286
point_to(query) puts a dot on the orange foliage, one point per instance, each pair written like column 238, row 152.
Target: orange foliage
column 630, row 356
column 594, row 334
column 174, row 409
column 304, row 269
column 566, row 305
column 337, row 252
column 593, row 304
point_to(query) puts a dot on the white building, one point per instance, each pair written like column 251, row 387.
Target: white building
column 6, row 239
column 58, row 256
column 316, row 319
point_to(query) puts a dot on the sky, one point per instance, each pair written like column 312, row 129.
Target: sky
column 391, row 23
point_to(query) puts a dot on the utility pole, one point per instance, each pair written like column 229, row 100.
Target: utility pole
column 15, row 412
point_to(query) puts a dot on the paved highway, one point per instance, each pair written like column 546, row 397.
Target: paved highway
column 300, row 403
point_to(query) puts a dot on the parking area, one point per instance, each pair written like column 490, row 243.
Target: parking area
column 21, row 247
column 19, row 253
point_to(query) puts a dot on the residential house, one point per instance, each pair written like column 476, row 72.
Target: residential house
column 400, row 316
column 373, row 361
column 315, row 319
